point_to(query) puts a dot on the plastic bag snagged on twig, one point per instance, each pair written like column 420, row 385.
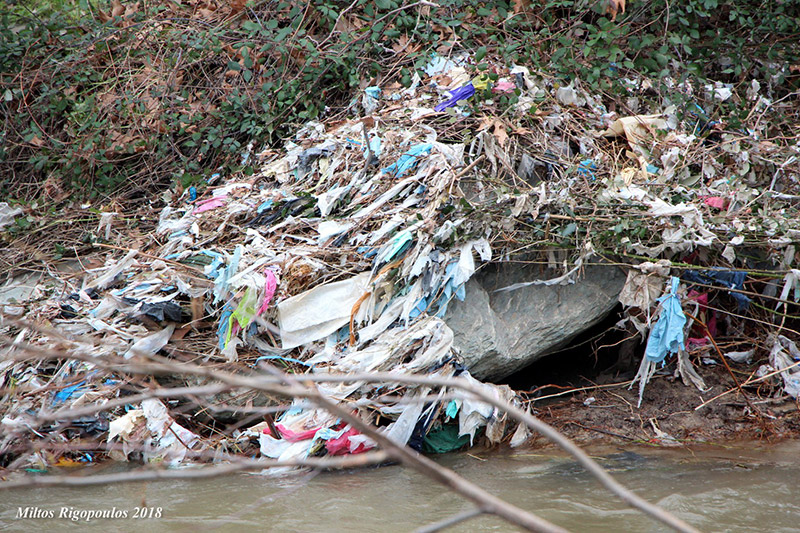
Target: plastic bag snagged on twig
column 318, row 312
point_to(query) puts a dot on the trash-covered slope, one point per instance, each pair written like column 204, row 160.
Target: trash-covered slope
column 344, row 252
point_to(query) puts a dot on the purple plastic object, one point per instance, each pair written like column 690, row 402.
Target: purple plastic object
column 462, row 93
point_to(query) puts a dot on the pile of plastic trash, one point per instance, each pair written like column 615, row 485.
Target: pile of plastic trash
column 344, row 251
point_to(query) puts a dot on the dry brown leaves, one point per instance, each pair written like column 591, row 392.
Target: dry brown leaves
column 497, row 127
column 615, row 7
column 348, row 24
column 520, row 6
column 121, row 13
column 237, row 6
column 404, row 44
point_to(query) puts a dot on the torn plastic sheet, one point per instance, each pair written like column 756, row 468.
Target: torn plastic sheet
column 151, row 344
column 715, row 201
column 209, row 204
column 124, row 425
column 67, row 393
column 473, row 413
column 292, row 436
column 464, row 92
column 437, row 344
column 107, row 279
column 429, row 338
column 521, row 435
column 690, row 214
column 246, row 311
column 567, row 95
column 104, row 224
column 667, row 333
column 638, row 130
column 392, row 312
column 790, row 281
column 272, row 447
column 745, row 356
column 224, row 325
column 273, row 357
column 408, row 160
column 455, row 278
column 349, row 442
column 316, row 313
column 223, row 275
column 307, row 157
column 504, row 86
column 439, row 65
column 8, row 214
column 452, row 408
column 327, row 200
column 397, row 245
column 161, row 311
column 566, row 279
column 785, row 357
column 370, row 99
column 444, row 439
column 665, row 336
column 401, row 429
column 732, row 279
column 169, row 440
column 587, row 168
column 640, row 290
column 270, row 285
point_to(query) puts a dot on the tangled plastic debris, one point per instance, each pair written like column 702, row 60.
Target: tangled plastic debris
column 343, row 253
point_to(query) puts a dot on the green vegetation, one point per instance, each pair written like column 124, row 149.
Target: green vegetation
column 101, row 98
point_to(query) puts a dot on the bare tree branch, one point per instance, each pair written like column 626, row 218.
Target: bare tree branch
column 282, row 384
column 451, row 521
column 491, row 503
column 242, row 465
column 532, row 422
column 75, row 412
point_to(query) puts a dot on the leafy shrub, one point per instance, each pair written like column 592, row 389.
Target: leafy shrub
column 123, row 97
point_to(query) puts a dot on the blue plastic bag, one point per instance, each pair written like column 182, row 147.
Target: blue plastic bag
column 408, row 160
column 667, row 334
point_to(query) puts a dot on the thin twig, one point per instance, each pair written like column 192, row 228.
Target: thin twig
column 451, row 521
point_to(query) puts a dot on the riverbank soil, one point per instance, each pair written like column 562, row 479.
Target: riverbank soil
column 671, row 413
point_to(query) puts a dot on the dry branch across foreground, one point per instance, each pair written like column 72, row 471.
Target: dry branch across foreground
column 277, row 382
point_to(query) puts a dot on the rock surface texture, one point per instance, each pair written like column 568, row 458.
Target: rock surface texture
column 499, row 333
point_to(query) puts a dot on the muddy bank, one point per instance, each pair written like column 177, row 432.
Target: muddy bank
column 670, row 414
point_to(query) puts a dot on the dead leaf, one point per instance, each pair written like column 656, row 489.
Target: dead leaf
column 179, row 334
column 196, row 304
column 348, row 24
column 36, row 141
column 404, row 44
column 68, row 463
column 237, row 6
column 497, row 127
column 521, row 5
column 131, row 10
column 500, row 134
column 117, row 9
column 204, row 13
column 615, row 7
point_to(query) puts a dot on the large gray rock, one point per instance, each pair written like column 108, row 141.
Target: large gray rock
column 499, row 333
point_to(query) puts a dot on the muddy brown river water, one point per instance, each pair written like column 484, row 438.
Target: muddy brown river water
column 747, row 488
